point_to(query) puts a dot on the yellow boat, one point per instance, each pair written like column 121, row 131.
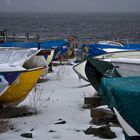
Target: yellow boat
column 19, row 90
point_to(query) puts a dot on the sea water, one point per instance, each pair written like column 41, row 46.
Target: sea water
column 87, row 27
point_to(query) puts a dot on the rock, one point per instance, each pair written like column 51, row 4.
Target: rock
column 102, row 132
column 50, row 131
column 32, row 129
column 101, row 116
column 27, row 135
column 60, row 122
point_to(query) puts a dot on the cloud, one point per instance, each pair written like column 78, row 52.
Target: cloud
column 8, row 2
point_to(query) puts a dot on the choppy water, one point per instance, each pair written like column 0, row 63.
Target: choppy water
column 87, row 27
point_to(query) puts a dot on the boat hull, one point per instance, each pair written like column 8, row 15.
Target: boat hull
column 80, row 70
column 50, row 57
column 3, row 84
column 127, row 67
column 10, row 76
column 127, row 63
column 95, row 70
column 122, row 54
column 18, row 91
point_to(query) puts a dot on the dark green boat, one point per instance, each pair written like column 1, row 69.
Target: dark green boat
column 123, row 96
column 95, row 70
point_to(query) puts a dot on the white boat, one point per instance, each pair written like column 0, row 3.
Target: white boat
column 127, row 63
column 126, row 66
column 120, row 54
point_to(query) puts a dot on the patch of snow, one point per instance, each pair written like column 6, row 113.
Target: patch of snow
column 59, row 98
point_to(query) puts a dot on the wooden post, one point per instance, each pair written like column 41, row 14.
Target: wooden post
column 27, row 36
column 38, row 40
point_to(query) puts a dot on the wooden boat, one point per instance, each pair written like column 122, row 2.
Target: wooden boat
column 122, row 94
column 18, row 91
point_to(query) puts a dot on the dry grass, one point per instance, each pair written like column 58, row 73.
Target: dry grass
column 13, row 112
column 5, row 126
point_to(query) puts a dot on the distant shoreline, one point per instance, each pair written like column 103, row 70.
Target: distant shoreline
column 69, row 12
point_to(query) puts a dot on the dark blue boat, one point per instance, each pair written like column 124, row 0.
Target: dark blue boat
column 103, row 48
column 10, row 76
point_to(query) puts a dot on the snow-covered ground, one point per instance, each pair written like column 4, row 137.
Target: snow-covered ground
column 59, row 98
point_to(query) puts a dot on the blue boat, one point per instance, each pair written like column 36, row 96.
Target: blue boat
column 109, row 46
column 52, row 44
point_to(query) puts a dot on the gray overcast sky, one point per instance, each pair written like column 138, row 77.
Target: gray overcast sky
column 70, row 5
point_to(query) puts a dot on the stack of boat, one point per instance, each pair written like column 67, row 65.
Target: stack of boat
column 113, row 70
